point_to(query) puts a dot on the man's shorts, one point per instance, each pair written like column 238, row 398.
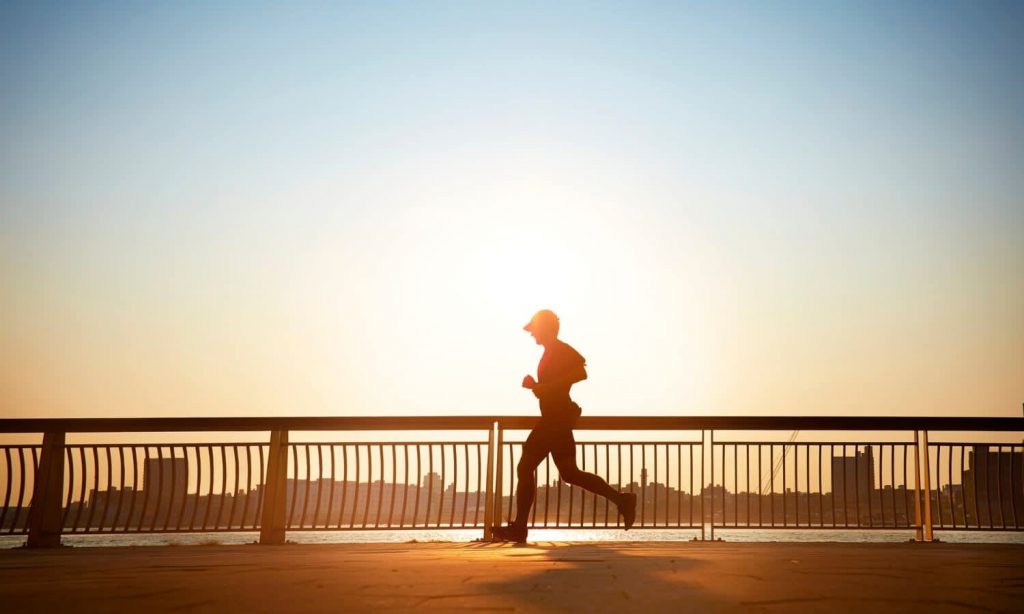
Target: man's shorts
column 549, row 437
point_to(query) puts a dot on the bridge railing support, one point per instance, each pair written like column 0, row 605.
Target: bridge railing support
column 45, row 517
column 273, row 521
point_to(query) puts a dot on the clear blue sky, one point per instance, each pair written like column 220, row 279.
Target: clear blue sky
column 339, row 208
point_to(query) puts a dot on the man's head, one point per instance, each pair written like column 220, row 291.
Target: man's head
column 543, row 326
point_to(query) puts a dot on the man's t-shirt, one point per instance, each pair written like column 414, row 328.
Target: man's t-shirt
column 558, row 361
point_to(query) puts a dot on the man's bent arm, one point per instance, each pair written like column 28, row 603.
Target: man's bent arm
column 577, row 375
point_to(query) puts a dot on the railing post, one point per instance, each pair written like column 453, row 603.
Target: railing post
column 272, row 524
column 919, row 527
column 498, row 477
column 44, row 516
column 927, row 489
column 489, row 497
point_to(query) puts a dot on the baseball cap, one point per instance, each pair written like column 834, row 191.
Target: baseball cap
column 545, row 318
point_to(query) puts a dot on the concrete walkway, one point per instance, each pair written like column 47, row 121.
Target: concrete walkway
column 542, row 577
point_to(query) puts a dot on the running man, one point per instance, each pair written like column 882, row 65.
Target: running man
column 560, row 367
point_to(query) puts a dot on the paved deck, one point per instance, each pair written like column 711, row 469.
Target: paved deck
column 543, row 577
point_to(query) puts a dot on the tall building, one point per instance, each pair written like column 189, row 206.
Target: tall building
column 993, row 487
column 167, row 478
column 853, row 482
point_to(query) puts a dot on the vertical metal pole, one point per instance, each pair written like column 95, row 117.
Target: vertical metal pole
column 489, row 498
column 272, row 525
column 927, row 489
column 499, row 476
column 917, row 489
column 712, row 434
column 44, row 517
column 702, row 453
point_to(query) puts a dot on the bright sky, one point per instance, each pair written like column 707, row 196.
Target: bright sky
column 352, row 210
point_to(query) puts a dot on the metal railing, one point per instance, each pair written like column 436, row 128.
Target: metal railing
column 685, row 474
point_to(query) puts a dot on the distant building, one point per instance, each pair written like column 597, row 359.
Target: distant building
column 167, row 479
column 432, row 482
column 993, row 487
column 854, row 475
column 853, row 485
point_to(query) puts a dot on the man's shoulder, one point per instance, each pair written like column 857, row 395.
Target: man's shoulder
column 567, row 352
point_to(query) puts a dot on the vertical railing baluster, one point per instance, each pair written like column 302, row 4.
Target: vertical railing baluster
column 712, row 510
column 999, row 488
column 330, row 495
column 430, row 483
column 771, row 482
column 724, row 474
column 593, row 507
column 643, row 486
column 499, row 476
column 120, row 490
column 344, row 484
column 248, row 487
column 209, row 482
column 369, row 483
column 145, row 489
column 512, row 479
column 892, row 482
column 927, row 489
column 871, row 475
column 702, row 485
column 952, row 499
column 197, row 499
column 307, row 485
column 70, row 489
column 547, row 489
column 263, row 471
column 9, row 469
column 96, row 487
column 455, row 483
column 236, row 487
column 183, row 503
column 292, row 492
column 906, row 488
column 821, row 488
column 405, row 481
column 735, row 485
column 693, row 491
column 618, row 475
column 479, row 478
column 489, row 503
column 394, row 485
column 380, row 491
column 465, row 493
column 419, row 469
column 1013, row 498
column 607, row 472
column 832, row 468
column 136, row 480
column 917, row 489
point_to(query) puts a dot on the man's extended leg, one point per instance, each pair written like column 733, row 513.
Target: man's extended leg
column 526, row 488
column 571, row 473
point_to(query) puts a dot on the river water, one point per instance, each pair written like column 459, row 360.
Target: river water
column 537, row 535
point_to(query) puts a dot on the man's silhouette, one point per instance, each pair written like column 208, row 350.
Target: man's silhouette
column 560, row 367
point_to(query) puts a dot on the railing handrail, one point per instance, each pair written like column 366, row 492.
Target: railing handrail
column 401, row 423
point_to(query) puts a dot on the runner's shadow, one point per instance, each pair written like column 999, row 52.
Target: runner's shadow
column 597, row 577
